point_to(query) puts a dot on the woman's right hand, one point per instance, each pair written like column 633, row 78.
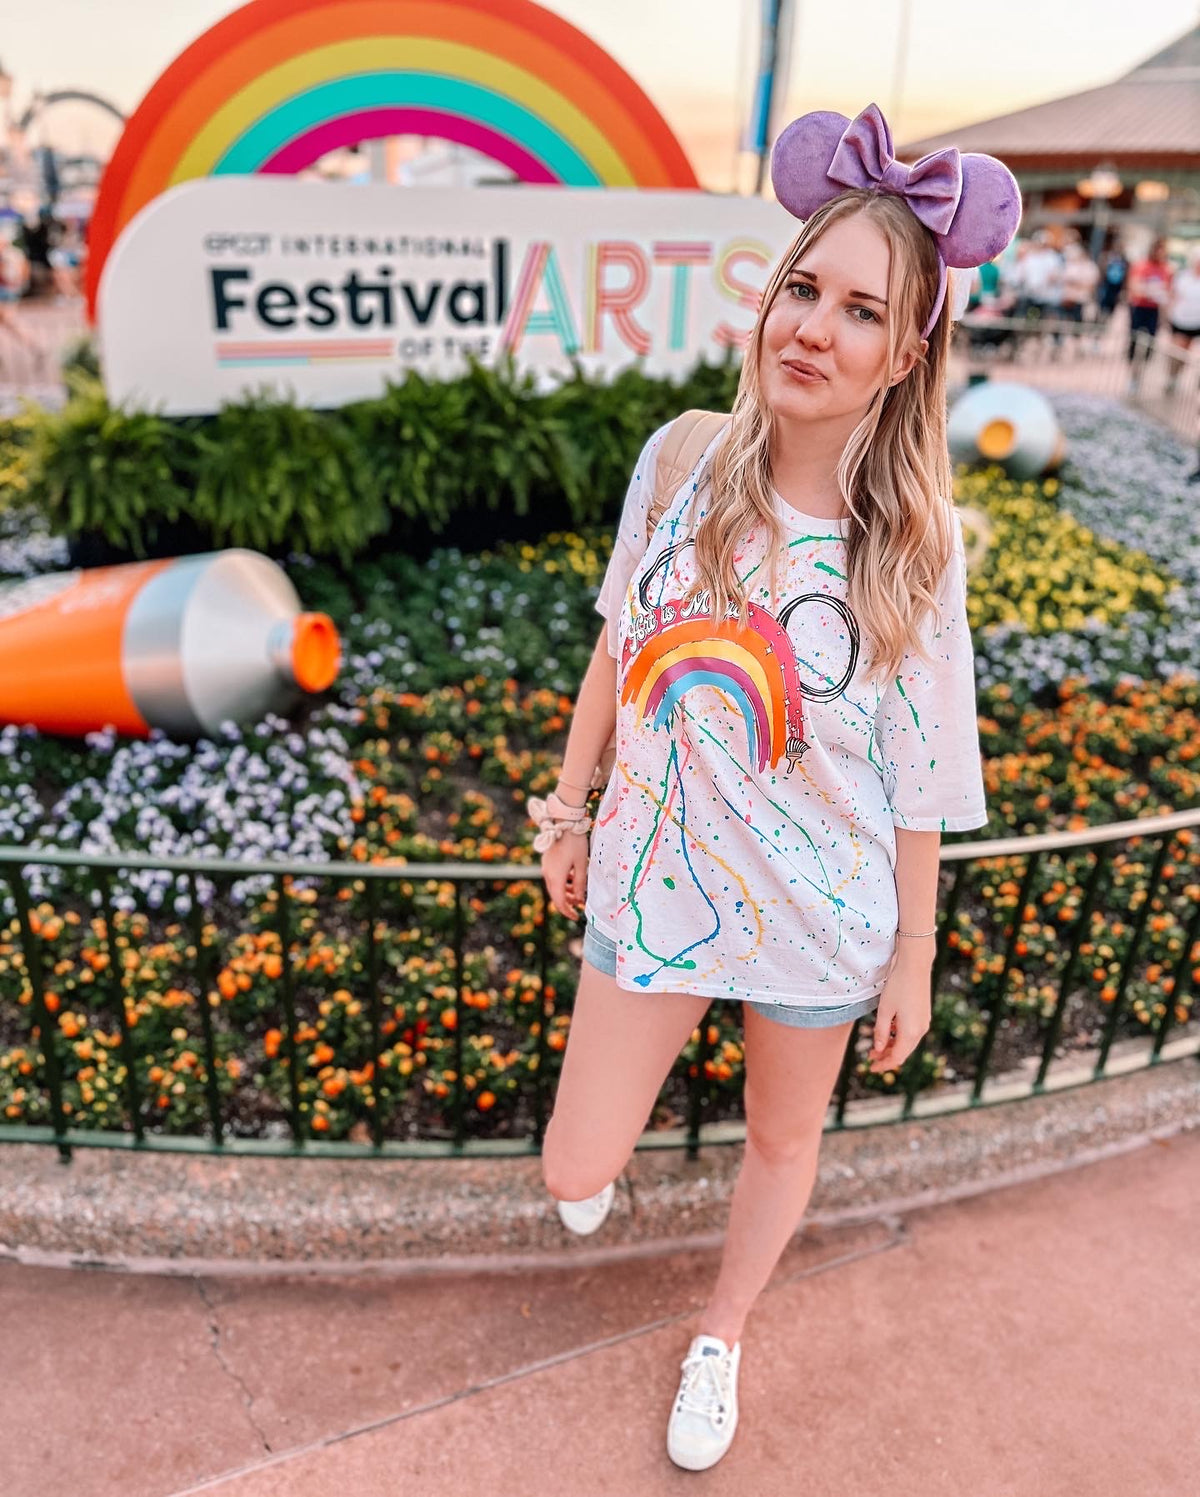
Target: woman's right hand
column 564, row 868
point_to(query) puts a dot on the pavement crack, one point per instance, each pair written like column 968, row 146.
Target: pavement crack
column 897, row 1235
column 214, row 1326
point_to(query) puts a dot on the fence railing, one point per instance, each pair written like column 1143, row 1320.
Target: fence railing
column 1153, row 374
column 1030, row 853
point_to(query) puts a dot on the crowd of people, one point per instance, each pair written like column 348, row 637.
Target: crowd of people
column 42, row 257
column 1061, row 282
column 1051, row 278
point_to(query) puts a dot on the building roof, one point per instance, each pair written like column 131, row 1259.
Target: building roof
column 1149, row 117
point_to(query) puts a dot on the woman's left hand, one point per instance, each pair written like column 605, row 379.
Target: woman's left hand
column 905, row 1008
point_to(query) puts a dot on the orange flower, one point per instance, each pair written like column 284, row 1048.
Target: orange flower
column 272, row 1041
column 323, row 1054
column 485, row 1101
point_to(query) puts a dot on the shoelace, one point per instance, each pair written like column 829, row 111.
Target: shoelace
column 708, row 1392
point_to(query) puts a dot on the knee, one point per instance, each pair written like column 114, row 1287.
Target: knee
column 566, row 1175
column 778, row 1150
column 785, row 1149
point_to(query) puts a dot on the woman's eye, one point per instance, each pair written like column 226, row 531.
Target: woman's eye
column 870, row 317
column 800, row 286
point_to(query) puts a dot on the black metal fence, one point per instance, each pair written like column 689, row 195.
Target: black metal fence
column 1029, row 854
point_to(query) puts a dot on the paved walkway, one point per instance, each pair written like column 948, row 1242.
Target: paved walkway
column 1037, row 1341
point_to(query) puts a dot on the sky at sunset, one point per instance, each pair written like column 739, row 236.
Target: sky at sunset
column 693, row 57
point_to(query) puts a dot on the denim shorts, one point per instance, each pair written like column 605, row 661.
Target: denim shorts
column 602, row 953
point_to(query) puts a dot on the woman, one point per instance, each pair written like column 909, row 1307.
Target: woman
column 772, row 821
column 1183, row 315
column 1149, row 291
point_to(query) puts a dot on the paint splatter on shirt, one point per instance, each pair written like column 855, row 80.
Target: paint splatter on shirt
column 745, row 844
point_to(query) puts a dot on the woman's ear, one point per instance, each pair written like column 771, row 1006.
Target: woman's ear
column 908, row 362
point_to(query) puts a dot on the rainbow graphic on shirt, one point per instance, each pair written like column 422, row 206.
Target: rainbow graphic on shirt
column 673, row 646
column 756, row 666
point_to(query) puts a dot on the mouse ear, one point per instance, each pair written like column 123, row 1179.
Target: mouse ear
column 989, row 213
column 800, row 158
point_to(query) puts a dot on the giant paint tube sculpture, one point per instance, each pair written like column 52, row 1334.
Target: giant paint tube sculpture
column 182, row 645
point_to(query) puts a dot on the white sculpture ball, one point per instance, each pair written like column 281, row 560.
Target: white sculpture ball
column 1007, row 424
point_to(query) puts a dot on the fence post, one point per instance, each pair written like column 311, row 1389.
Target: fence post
column 47, row 1027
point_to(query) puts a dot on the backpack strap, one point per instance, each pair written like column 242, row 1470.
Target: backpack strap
column 682, row 448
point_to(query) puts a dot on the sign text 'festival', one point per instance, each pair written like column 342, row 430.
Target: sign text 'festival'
column 323, row 293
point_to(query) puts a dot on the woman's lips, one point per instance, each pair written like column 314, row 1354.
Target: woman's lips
column 804, row 374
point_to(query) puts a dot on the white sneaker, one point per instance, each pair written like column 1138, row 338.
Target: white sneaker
column 705, row 1414
column 585, row 1216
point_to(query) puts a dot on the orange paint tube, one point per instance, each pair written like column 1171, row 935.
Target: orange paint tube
column 182, row 645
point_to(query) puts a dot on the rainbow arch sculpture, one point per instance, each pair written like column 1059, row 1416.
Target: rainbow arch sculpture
column 278, row 83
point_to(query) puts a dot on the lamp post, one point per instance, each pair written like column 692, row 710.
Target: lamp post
column 1101, row 187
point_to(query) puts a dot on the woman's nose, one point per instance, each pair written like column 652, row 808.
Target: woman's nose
column 815, row 328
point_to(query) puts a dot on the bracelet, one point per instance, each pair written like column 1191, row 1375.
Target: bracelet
column 916, row 932
column 554, row 817
column 570, row 786
column 568, row 803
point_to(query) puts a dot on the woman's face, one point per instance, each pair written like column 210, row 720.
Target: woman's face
column 824, row 340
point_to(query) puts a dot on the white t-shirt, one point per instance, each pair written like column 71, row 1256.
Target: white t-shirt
column 728, row 858
column 1185, row 300
column 1041, row 272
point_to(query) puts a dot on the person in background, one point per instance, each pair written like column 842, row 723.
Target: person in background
column 1149, row 291
column 1042, row 276
column 1042, row 283
column 1114, row 269
column 14, row 278
column 64, row 258
column 985, row 286
column 1183, row 313
column 1012, row 276
column 1080, row 277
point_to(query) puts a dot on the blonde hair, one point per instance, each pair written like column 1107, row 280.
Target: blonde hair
column 894, row 473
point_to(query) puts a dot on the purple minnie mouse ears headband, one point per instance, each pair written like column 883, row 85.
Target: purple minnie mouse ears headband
column 969, row 202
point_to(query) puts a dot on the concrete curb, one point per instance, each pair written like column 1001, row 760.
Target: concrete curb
column 176, row 1213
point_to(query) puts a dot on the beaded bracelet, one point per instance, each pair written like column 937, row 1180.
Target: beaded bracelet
column 916, row 932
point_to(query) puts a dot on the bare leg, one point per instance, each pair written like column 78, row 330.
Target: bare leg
column 790, row 1075
column 620, row 1047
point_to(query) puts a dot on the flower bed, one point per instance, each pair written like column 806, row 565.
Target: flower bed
column 451, row 711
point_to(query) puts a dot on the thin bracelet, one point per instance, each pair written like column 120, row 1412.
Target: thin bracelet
column 570, row 788
column 916, row 932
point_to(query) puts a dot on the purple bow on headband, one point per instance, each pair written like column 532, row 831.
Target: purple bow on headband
column 931, row 187
column 969, row 202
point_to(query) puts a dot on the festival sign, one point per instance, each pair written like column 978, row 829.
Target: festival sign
column 322, row 292
column 277, row 84
column 212, row 271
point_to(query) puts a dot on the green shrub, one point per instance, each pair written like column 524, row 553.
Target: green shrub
column 266, row 473
column 94, row 467
column 425, row 457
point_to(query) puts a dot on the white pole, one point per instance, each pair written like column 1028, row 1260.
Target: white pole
column 901, row 67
